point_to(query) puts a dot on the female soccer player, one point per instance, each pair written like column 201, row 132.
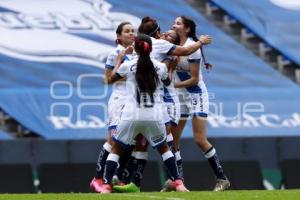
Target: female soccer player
column 125, row 38
column 143, row 112
column 162, row 50
column 194, row 99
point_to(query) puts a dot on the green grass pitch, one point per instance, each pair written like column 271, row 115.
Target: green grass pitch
column 228, row 195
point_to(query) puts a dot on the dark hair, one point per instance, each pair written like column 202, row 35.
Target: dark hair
column 146, row 76
column 189, row 23
column 149, row 26
column 120, row 29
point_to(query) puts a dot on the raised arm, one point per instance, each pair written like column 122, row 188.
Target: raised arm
column 184, row 51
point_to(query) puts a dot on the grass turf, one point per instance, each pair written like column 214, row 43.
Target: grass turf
column 228, row 195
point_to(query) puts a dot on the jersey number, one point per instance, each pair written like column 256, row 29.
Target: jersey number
column 144, row 99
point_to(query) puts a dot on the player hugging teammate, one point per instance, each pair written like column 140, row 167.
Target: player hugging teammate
column 157, row 85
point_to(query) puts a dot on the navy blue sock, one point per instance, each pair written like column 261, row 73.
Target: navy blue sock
column 179, row 164
column 110, row 168
column 171, row 166
column 105, row 150
column 214, row 161
column 137, row 170
column 127, row 173
column 123, row 161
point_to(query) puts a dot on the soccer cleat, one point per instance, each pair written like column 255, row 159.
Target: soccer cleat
column 129, row 188
column 105, row 188
column 221, row 185
column 116, row 181
column 177, row 186
column 167, row 187
column 95, row 184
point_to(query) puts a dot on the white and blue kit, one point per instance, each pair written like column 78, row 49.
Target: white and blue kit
column 162, row 51
column 142, row 113
column 118, row 97
column 193, row 100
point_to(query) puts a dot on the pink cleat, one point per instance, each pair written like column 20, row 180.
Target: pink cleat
column 105, row 188
column 96, row 184
column 178, row 186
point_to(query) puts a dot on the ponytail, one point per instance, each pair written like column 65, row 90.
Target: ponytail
column 146, row 76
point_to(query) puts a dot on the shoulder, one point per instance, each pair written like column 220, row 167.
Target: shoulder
column 160, row 42
column 159, row 66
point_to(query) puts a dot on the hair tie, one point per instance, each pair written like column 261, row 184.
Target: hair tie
column 146, row 46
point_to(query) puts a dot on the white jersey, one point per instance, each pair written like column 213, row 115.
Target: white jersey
column 141, row 106
column 118, row 87
column 193, row 100
column 161, row 51
column 183, row 69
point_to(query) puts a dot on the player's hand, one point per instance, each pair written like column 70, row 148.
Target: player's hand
column 129, row 50
column 121, row 54
column 205, row 39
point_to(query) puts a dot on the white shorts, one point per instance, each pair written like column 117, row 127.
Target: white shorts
column 173, row 109
column 115, row 105
column 154, row 131
column 195, row 104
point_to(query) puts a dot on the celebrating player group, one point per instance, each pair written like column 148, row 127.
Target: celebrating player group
column 157, row 87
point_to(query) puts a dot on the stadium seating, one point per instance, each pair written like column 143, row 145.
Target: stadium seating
column 5, row 136
column 53, row 101
column 262, row 18
column 290, row 173
column 16, row 178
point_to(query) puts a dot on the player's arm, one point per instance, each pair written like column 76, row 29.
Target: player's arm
column 171, row 65
column 118, row 62
column 164, row 74
column 121, row 73
column 184, row 51
column 194, row 71
column 116, row 77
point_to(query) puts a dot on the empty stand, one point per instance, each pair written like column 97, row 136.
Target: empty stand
column 245, row 12
column 290, row 173
column 16, row 179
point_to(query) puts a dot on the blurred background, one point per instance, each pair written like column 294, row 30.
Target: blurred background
column 53, row 103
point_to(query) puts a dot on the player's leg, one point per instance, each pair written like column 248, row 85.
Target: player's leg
column 123, row 136
column 111, row 165
column 114, row 107
column 157, row 130
column 103, row 154
column 123, row 164
column 199, row 123
column 176, row 182
column 138, row 166
column 199, row 129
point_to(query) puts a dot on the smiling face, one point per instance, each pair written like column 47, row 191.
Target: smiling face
column 127, row 35
column 180, row 28
column 170, row 36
